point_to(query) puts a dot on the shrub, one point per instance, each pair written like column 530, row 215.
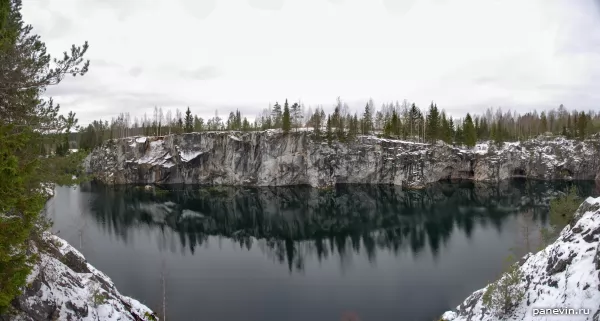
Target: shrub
column 563, row 208
column 150, row 317
column 502, row 296
column 98, row 297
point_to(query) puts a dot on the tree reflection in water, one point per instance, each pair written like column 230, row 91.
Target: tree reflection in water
column 293, row 224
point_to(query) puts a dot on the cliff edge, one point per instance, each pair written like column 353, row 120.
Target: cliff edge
column 561, row 282
column 273, row 158
column 63, row 286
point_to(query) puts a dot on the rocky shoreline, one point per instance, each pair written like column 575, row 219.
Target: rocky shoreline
column 564, row 275
column 273, row 158
column 63, row 286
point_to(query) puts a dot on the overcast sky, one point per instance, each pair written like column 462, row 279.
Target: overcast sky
column 466, row 55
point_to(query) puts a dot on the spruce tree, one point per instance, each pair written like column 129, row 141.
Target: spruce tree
column 446, row 131
column 470, row 135
column 245, row 125
column 433, row 124
column 286, row 121
column 329, row 129
column 459, row 137
column 189, row 121
column 339, row 130
column 353, row 126
column 543, row 123
column 367, row 121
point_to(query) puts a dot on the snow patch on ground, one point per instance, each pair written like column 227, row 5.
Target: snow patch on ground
column 481, row 149
column 140, row 140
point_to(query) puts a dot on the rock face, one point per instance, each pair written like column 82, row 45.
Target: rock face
column 565, row 275
column 272, row 158
column 63, row 286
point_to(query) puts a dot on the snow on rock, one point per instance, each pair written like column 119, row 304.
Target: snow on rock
column 234, row 138
column 187, row 156
column 188, row 214
column 47, row 189
column 271, row 158
column 63, row 286
column 564, row 275
column 156, row 154
column 140, row 140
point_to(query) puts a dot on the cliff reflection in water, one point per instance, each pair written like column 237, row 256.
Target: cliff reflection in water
column 293, row 224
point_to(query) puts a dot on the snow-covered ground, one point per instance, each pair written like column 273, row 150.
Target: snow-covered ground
column 63, row 286
column 564, row 275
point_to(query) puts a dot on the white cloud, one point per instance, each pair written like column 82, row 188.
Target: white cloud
column 464, row 54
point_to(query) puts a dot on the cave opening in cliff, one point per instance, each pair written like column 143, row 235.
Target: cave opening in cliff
column 566, row 173
column 518, row 172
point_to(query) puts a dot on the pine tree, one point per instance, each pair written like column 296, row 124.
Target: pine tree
column 189, row 121
column 470, row 135
column 276, row 115
column 286, row 121
column 296, row 114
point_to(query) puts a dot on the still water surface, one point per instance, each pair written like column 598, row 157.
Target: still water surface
column 299, row 254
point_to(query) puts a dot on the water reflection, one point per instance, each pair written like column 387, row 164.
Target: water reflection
column 293, row 224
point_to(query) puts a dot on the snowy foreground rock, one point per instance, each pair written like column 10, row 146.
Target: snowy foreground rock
column 63, row 286
column 272, row 158
column 565, row 275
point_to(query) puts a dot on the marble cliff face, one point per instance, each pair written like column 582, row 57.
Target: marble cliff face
column 272, row 158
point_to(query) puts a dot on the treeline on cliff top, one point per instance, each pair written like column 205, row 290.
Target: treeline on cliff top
column 28, row 123
column 393, row 120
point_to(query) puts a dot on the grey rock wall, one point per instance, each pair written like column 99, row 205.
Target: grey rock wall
column 271, row 158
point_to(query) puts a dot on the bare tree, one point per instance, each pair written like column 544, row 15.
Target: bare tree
column 160, row 120
column 169, row 120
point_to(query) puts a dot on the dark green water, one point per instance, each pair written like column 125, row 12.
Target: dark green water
column 296, row 253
